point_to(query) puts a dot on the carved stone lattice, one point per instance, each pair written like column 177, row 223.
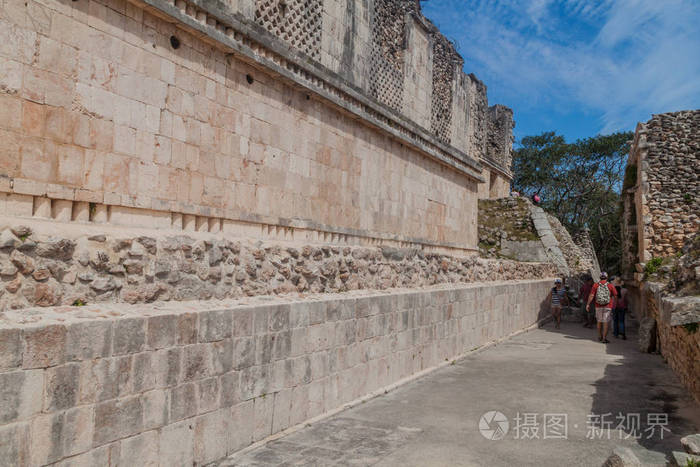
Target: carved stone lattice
column 386, row 80
column 386, row 57
column 443, row 80
column 297, row 22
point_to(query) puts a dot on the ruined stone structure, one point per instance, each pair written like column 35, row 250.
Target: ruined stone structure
column 208, row 211
column 516, row 229
column 661, row 193
column 253, row 116
column 660, row 234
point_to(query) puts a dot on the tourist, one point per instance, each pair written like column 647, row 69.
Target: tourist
column 604, row 294
column 583, row 293
column 536, row 199
column 620, row 309
column 557, row 297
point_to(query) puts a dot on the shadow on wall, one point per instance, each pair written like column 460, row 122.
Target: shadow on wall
column 544, row 311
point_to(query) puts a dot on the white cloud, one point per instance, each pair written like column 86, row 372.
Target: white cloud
column 621, row 60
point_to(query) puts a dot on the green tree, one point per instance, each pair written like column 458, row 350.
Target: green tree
column 579, row 183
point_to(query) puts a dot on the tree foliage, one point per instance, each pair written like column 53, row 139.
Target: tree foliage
column 579, row 183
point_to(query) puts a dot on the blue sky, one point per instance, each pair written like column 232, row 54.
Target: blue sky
column 578, row 67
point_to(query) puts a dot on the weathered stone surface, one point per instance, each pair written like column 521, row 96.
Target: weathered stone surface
column 142, row 274
column 647, row 335
column 691, row 444
column 21, row 394
column 683, row 459
column 129, row 336
column 215, row 325
column 56, row 248
column 117, row 419
column 89, row 340
column 22, row 262
column 15, row 443
column 8, row 240
column 129, row 373
column 62, row 386
column 44, row 346
column 10, row 349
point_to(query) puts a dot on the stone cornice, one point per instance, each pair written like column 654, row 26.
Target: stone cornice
column 212, row 20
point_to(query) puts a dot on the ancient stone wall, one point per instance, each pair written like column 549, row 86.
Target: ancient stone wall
column 446, row 62
column 188, row 384
column 296, row 22
column 579, row 260
column 583, row 240
column 661, row 194
column 660, row 225
column 500, row 135
column 513, row 228
column 124, row 112
column 680, row 345
column 97, row 265
column 672, row 169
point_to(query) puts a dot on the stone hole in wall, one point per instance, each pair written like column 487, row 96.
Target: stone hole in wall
column 443, row 77
column 297, row 22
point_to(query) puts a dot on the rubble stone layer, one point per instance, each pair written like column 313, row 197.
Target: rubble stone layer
column 41, row 270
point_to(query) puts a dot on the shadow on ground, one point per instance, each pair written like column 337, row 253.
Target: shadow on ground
column 638, row 399
column 435, row 420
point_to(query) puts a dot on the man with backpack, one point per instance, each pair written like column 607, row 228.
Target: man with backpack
column 605, row 296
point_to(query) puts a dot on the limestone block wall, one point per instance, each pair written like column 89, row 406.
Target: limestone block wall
column 375, row 45
column 496, row 185
column 500, row 135
column 418, row 71
column 183, row 385
column 107, row 108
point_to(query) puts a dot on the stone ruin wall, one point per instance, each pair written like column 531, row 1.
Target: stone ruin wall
column 96, row 265
column 662, row 201
column 679, row 346
column 500, row 135
column 170, row 151
column 104, row 120
column 661, row 206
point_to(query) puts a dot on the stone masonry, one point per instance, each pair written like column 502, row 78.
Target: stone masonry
column 661, row 246
column 220, row 219
column 225, row 111
column 662, row 196
column 46, row 270
column 189, row 384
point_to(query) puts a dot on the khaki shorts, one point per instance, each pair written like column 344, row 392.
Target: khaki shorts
column 603, row 315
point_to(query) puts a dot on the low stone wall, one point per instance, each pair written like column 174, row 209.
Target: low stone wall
column 679, row 344
column 183, row 384
column 89, row 264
